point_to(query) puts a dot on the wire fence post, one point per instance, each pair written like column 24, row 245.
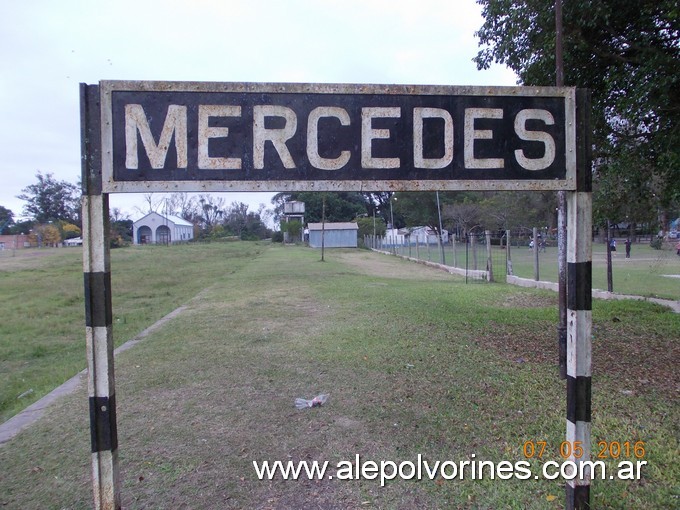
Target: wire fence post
column 535, row 247
column 610, row 279
column 489, row 263
column 473, row 241
column 508, row 255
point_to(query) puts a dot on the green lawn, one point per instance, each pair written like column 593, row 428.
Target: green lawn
column 649, row 272
column 416, row 363
column 42, row 331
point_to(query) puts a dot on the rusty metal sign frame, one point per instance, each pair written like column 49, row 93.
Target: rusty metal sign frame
column 357, row 92
column 98, row 183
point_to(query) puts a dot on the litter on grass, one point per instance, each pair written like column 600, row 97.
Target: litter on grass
column 317, row 401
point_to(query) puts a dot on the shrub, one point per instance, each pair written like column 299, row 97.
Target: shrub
column 656, row 243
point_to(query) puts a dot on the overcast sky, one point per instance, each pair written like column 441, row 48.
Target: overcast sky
column 48, row 47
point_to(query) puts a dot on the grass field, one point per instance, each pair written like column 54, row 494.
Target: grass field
column 648, row 272
column 415, row 361
column 42, row 332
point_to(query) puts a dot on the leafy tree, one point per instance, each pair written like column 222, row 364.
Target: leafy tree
column 293, row 228
column 521, row 209
column 340, row 206
column 6, row 220
column 379, row 203
column 416, row 209
column 236, row 218
column 46, row 234
column 628, row 55
column 247, row 225
column 22, row 227
column 369, row 226
column 68, row 230
column 51, row 200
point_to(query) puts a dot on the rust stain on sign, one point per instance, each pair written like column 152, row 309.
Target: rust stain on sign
column 195, row 136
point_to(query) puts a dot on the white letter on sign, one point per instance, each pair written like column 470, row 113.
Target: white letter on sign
column 175, row 122
column 419, row 161
column 313, row 137
column 536, row 136
column 368, row 134
column 277, row 137
column 472, row 134
column 205, row 133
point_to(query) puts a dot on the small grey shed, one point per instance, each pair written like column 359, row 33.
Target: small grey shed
column 336, row 235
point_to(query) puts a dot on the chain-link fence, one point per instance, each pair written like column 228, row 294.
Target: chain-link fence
column 480, row 256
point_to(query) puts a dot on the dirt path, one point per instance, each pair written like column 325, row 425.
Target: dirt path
column 374, row 264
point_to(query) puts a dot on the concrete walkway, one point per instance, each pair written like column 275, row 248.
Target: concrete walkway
column 35, row 411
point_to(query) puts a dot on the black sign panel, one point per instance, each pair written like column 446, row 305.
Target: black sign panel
column 257, row 137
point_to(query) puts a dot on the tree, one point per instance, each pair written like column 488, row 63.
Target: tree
column 340, row 206
column 120, row 228
column 368, row 226
column 509, row 210
column 628, row 55
column 152, row 203
column 68, row 230
column 184, row 206
column 293, row 228
column 211, row 210
column 465, row 215
column 45, row 235
column 22, row 227
column 6, row 220
column 417, row 209
column 51, row 200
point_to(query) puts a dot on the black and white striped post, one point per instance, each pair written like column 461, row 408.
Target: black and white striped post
column 98, row 312
column 579, row 310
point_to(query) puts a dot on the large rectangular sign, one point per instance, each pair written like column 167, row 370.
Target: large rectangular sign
column 199, row 136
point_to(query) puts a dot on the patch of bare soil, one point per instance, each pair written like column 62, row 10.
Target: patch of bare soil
column 636, row 361
column 639, row 361
column 376, row 264
column 529, row 300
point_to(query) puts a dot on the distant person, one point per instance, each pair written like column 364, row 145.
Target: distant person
column 628, row 243
column 677, row 247
column 612, row 245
